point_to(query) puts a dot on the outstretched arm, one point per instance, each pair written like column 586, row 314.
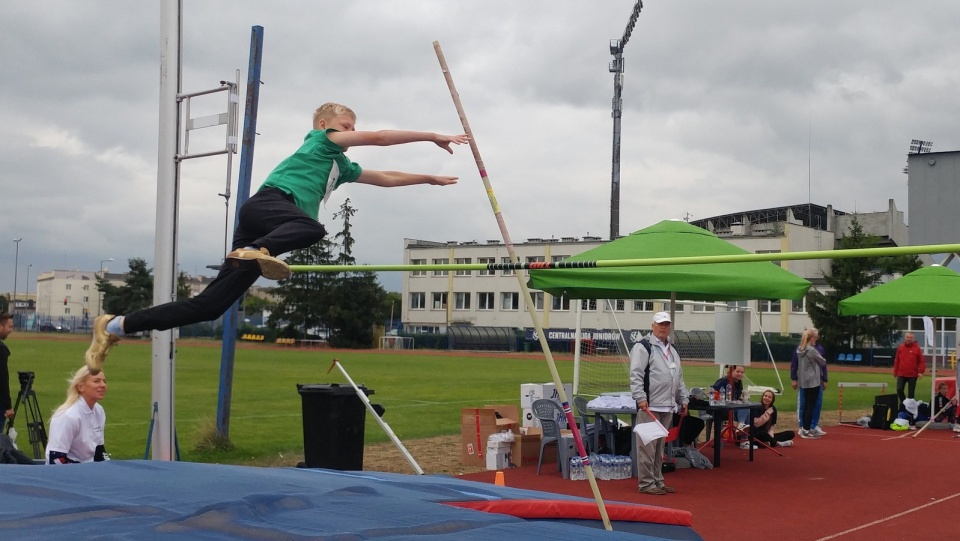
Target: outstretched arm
column 391, row 179
column 384, row 138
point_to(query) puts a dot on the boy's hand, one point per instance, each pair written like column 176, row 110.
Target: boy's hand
column 444, row 141
column 438, row 180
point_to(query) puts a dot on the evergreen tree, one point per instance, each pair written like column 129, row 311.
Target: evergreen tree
column 359, row 297
column 348, row 304
column 305, row 296
column 849, row 277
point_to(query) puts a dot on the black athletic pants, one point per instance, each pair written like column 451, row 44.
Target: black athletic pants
column 268, row 220
column 772, row 441
column 810, row 397
column 906, row 384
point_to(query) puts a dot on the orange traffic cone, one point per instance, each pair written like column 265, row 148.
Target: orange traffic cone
column 498, row 480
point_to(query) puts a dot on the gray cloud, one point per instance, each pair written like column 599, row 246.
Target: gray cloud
column 726, row 104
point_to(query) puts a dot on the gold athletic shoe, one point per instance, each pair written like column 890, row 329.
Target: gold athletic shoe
column 101, row 343
column 270, row 267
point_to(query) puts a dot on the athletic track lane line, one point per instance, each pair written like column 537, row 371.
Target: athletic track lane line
column 898, row 515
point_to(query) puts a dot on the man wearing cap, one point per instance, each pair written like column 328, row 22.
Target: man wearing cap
column 656, row 383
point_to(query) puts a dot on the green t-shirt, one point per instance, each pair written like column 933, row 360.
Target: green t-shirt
column 311, row 174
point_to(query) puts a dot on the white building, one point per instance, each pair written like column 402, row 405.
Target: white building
column 435, row 300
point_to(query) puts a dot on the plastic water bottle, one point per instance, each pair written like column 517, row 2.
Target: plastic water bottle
column 728, row 390
column 575, row 467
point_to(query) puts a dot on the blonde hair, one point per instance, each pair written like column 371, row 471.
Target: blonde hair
column 805, row 339
column 330, row 110
column 73, row 391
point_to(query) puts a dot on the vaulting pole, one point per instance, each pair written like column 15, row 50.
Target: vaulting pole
column 641, row 262
column 523, row 287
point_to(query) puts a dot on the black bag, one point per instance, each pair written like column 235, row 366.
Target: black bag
column 882, row 417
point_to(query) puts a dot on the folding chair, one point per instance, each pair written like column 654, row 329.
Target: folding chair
column 547, row 412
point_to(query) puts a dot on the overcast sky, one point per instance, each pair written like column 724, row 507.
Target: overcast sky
column 728, row 106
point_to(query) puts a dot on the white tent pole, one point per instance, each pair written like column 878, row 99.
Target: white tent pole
column 576, row 351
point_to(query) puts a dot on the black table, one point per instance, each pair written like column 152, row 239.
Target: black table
column 724, row 411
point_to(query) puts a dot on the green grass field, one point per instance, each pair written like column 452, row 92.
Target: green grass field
column 422, row 392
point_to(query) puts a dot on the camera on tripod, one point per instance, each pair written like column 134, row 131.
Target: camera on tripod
column 26, row 380
column 34, row 418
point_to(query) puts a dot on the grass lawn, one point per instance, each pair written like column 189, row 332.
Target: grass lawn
column 422, row 392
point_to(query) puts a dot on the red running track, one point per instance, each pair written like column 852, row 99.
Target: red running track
column 855, row 484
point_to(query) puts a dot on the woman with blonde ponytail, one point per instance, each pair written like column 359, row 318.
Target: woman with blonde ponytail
column 76, row 428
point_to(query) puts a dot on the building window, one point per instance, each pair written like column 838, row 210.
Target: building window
column 69, row 287
column 424, row 329
column 799, row 307
column 555, row 258
column 418, row 301
column 86, row 287
column 738, row 305
column 588, row 305
column 66, row 310
column 535, row 259
column 509, row 301
column 440, row 301
column 461, row 301
column 486, row 261
column 86, row 299
column 777, row 263
column 507, row 272
column 463, row 261
column 485, row 301
column 440, row 261
column 678, row 309
column 560, row 304
column 614, row 305
column 769, row 307
column 704, row 307
column 418, row 262
column 643, row 306
column 537, row 299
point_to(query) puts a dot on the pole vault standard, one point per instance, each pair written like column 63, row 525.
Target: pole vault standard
column 523, row 287
column 642, row 262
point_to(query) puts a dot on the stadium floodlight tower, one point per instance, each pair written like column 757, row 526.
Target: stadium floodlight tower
column 917, row 147
column 616, row 67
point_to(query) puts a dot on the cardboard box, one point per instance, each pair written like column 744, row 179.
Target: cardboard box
column 536, row 391
column 526, row 448
column 499, row 455
column 476, row 425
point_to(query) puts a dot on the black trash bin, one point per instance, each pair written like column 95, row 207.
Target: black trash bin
column 333, row 418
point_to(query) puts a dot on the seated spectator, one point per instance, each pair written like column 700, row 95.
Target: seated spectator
column 76, row 428
column 942, row 401
column 736, row 392
column 766, row 424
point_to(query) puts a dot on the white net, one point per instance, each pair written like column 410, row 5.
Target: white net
column 396, row 342
column 603, row 363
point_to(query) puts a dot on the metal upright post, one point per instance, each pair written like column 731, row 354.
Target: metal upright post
column 164, row 285
column 232, row 316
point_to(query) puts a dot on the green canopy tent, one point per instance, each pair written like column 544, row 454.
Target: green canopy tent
column 670, row 238
column 929, row 291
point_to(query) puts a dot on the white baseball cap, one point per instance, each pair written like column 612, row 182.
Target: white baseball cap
column 661, row 317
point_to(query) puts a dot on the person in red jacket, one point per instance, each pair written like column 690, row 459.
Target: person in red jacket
column 908, row 365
